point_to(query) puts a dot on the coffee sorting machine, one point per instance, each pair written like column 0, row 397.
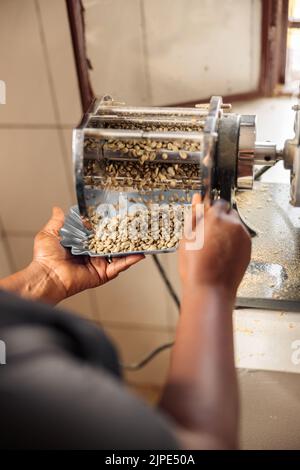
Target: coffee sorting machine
column 218, row 144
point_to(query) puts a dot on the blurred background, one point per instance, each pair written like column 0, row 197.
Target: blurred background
column 157, row 53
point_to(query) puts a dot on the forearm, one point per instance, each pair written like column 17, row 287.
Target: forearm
column 201, row 391
column 35, row 283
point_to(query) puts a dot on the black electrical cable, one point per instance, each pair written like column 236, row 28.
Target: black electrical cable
column 148, row 358
column 261, row 171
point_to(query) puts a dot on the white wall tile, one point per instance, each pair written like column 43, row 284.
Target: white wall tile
column 275, row 118
column 202, row 47
column 32, row 178
column 170, row 264
column 134, row 345
column 80, row 304
column 266, row 340
column 54, row 21
column 115, row 47
column 28, row 99
column 5, row 267
column 270, row 410
column 67, row 136
column 21, row 248
column 137, row 296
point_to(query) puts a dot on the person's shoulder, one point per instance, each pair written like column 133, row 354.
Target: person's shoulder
column 33, row 327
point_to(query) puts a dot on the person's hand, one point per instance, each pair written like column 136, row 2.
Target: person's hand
column 226, row 252
column 72, row 274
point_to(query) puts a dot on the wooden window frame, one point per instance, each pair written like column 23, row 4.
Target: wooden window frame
column 77, row 27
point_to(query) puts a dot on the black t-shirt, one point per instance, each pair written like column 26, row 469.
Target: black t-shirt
column 61, row 386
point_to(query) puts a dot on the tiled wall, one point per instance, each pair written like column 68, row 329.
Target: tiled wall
column 42, row 105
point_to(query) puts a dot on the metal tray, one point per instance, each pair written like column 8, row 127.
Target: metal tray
column 75, row 236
